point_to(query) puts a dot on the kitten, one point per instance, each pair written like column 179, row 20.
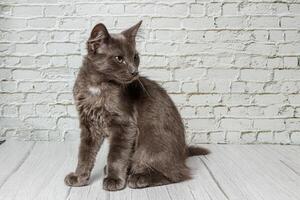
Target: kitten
column 144, row 129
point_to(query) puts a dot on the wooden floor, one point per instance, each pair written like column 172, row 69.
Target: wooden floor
column 30, row 171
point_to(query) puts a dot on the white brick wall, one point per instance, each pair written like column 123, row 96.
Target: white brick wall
column 231, row 66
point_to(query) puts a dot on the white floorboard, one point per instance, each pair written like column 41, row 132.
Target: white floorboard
column 35, row 171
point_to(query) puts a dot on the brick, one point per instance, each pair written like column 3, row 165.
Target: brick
column 214, row 9
column 295, row 137
column 5, row 74
column 255, row 75
column 286, row 75
column 292, row 35
column 27, row 11
column 222, row 86
column 290, row 62
column 73, row 23
column 158, row 74
column 264, row 22
column 176, row 10
column 42, row 23
column 40, row 97
column 65, row 98
column 263, row 8
column 229, row 74
column 231, row 22
column 248, row 137
column 40, row 122
column 189, row 74
column 293, row 124
column 26, row 110
column 235, row 124
column 116, row 9
column 262, row 49
column 144, row 9
column 164, row 23
column 290, row 22
column 62, row 48
column 8, row 86
column 265, row 137
column 294, row 9
column 20, row 74
column 269, row 99
column 217, row 137
column 178, row 98
column 276, row 36
column 236, row 99
column 9, row 111
column 198, row 23
column 33, row 86
column 29, row 49
column 204, row 111
column 162, row 48
column 189, row 87
column 282, row 137
column 204, row 99
column 166, row 35
column 230, row 9
column 289, row 49
column 201, row 124
column 59, row 10
column 197, row 9
column 91, row 9
column 269, row 124
column 294, row 99
column 233, row 137
column 12, row 24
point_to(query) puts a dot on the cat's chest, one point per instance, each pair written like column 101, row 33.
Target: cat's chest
column 98, row 105
column 102, row 98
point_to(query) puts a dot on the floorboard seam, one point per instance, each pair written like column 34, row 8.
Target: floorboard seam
column 68, row 193
column 169, row 193
column 285, row 164
column 191, row 192
column 214, row 179
column 19, row 165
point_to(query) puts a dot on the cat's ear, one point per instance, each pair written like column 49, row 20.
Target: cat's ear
column 132, row 31
column 99, row 38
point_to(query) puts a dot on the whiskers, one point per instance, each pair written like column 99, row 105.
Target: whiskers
column 138, row 79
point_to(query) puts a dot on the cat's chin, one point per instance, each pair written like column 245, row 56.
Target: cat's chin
column 131, row 80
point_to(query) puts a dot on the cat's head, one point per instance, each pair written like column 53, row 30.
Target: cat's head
column 114, row 55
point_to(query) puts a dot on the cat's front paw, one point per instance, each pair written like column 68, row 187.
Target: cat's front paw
column 76, row 180
column 113, row 184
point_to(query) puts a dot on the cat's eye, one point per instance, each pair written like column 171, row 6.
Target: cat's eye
column 119, row 59
column 136, row 56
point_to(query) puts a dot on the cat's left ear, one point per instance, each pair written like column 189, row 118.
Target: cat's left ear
column 132, row 31
column 99, row 38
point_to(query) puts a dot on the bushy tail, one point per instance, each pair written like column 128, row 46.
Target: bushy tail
column 194, row 151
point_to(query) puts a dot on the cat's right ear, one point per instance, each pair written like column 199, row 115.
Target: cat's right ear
column 99, row 38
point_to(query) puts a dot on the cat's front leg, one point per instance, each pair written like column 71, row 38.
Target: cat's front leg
column 88, row 149
column 121, row 142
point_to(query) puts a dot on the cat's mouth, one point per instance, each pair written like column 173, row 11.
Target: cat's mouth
column 133, row 78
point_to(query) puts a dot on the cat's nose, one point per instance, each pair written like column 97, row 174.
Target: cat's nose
column 134, row 73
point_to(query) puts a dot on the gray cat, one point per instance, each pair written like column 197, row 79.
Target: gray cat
column 144, row 128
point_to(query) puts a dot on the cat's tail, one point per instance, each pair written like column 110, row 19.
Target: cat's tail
column 195, row 151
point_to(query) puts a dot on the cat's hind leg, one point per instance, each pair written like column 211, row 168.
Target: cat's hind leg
column 147, row 178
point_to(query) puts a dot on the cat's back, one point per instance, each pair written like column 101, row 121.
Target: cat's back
column 154, row 105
